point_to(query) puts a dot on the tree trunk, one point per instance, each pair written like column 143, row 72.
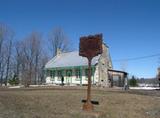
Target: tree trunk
column 8, row 62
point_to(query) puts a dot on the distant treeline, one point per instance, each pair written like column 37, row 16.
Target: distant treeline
column 133, row 81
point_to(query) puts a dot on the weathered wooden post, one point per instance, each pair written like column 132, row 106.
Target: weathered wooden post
column 90, row 47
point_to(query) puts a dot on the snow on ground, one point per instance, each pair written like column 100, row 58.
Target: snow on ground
column 144, row 88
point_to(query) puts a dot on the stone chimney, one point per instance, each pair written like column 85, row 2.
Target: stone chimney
column 58, row 51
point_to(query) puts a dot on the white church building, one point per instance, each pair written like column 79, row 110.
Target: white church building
column 74, row 69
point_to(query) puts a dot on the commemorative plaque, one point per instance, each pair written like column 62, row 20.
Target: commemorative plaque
column 90, row 47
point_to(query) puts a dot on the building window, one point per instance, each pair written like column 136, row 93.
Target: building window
column 77, row 74
column 52, row 74
column 68, row 76
column 69, row 73
column 59, row 75
column 86, row 72
column 48, row 72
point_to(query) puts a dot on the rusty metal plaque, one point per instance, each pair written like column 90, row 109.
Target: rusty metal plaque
column 90, row 46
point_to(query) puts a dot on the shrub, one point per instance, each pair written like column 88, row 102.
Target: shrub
column 14, row 80
column 133, row 81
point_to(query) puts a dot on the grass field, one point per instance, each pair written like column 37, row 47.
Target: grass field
column 66, row 103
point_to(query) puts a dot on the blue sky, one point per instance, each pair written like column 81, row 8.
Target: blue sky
column 131, row 28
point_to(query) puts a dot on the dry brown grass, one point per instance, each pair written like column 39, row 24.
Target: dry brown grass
column 54, row 103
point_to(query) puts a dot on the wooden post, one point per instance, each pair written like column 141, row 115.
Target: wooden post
column 88, row 106
column 80, row 76
column 90, row 47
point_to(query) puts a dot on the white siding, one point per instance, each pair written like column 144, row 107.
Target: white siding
column 73, row 79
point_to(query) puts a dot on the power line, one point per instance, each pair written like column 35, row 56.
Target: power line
column 137, row 58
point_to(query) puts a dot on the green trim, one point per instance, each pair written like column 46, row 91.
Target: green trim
column 52, row 75
column 64, row 70
column 69, row 78
column 69, row 67
column 77, row 74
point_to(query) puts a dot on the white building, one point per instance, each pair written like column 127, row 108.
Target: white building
column 74, row 69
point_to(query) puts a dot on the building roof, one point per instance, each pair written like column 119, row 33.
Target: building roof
column 118, row 71
column 70, row 59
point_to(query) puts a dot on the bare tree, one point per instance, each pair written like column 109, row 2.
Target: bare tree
column 36, row 41
column 29, row 59
column 2, row 66
column 3, row 35
column 6, row 37
column 31, row 56
column 58, row 40
column 43, row 60
column 8, row 56
column 2, row 38
column 17, row 58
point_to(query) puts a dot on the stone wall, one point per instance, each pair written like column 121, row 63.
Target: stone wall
column 103, row 65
